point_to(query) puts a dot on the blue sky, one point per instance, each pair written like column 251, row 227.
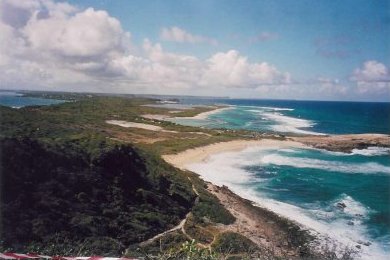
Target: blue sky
column 363, row 25
column 340, row 48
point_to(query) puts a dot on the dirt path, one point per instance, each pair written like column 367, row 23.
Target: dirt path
column 251, row 222
column 180, row 226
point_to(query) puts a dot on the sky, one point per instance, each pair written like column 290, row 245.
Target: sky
column 281, row 49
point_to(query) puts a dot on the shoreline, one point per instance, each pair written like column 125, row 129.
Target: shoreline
column 344, row 143
column 200, row 116
column 245, row 206
column 204, row 115
column 266, row 228
column 199, row 154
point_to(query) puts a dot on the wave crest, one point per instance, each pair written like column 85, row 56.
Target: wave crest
column 335, row 166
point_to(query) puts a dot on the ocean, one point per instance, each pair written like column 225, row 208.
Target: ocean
column 342, row 196
column 17, row 100
column 301, row 117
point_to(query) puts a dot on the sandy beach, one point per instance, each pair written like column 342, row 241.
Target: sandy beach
column 203, row 115
column 199, row 154
column 257, row 221
column 263, row 227
column 344, row 143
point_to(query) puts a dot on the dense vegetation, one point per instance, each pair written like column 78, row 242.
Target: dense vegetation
column 55, row 196
column 72, row 184
column 233, row 243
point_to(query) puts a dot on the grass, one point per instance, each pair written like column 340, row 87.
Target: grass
column 78, row 129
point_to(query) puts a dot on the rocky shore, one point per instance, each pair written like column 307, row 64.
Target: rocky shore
column 344, row 143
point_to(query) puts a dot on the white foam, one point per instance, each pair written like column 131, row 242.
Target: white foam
column 232, row 174
column 342, row 234
column 278, row 108
column 282, row 123
column 335, row 166
column 331, row 222
column 353, row 208
column 287, row 150
column 285, row 124
column 372, row 151
column 268, row 108
column 288, row 124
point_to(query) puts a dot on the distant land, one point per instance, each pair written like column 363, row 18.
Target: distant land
column 96, row 188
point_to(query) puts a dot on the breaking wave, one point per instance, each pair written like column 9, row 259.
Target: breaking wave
column 335, row 166
column 285, row 124
column 343, row 219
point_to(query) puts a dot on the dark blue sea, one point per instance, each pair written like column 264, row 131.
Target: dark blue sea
column 305, row 117
column 342, row 196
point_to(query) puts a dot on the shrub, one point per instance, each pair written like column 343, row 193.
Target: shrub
column 230, row 242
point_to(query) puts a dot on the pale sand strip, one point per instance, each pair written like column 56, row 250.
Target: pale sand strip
column 199, row 154
column 138, row 125
column 204, row 115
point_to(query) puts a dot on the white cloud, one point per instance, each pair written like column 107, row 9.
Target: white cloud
column 372, row 78
column 230, row 69
column 55, row 45
column 372, row 71
column 331, row 87
column 157, row 68
column 176, row 34
column 67, row 45
column 85, row 34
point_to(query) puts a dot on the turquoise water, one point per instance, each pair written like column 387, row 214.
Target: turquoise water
column 16, row 100
column 300, row 117
column 344, row 196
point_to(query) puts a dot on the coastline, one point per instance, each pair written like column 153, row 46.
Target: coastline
column 204, row 115
column 344, row 143
column 200, row 116
column 267, row 229
column 200, row 154
column 257, row 216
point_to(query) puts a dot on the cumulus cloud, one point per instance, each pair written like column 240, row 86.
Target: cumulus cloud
column 372, row 77
column 230, row 69
column 176, row 34
column 85, row 34
column 63, row 43
column 46, row 44
column 158, row 68
column 371, row 71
